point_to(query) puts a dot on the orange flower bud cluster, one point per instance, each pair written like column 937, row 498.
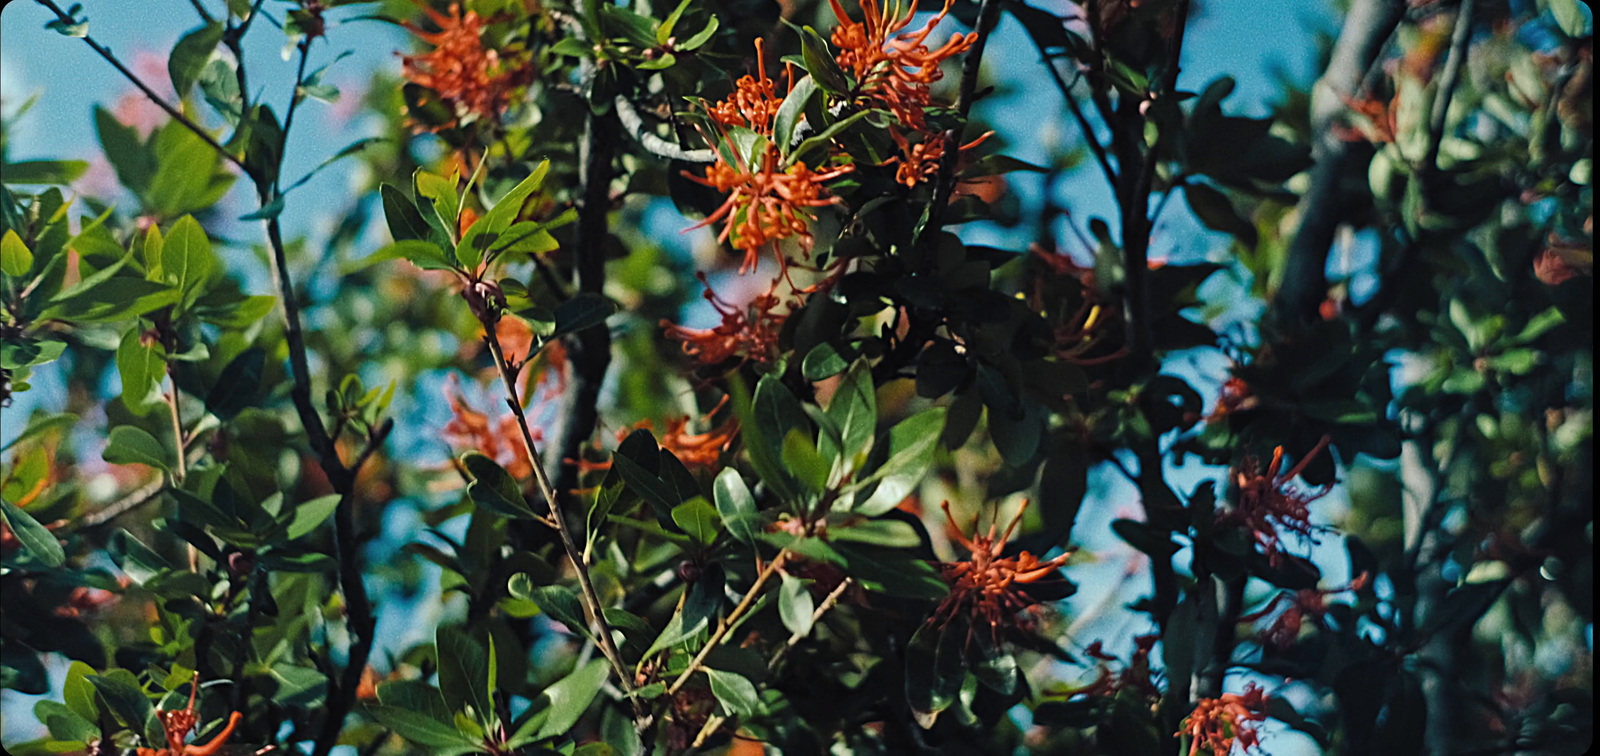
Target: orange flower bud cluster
column 470, row 430
column 987, row 587
column 473, row 79
column 1217, row 723
column 1284, row 629
column 1270, row 502
column 749, row 333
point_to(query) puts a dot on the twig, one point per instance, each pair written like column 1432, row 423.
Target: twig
column 145, row 88
column 634, row 125
column 201, row 9
column 591, row 599
column 715, row 721
column 944, row 187
column 177, row 429
column 135, row 499
column 728, row 622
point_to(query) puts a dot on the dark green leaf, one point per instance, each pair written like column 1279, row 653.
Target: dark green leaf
column 735, row 692
column 735, row 505
column 189, row 56
column 584, row 311
column 697, row 518
column 142, row 367
column 570, row 697
column 130, row 445
column 909, row 449
column 39, row 542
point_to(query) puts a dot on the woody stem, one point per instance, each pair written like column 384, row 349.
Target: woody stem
column 728, row 622
column 591, row 599
column 716, row 721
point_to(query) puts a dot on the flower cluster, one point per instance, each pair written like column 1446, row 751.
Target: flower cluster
column 749, row 333
column 473, row 79
column 1217, row 723
column 470, row 430
column 1235, row 396
column 1284, row 628
column 1270, row 502
column 178, row 724
column 1135, row 675
column 988, row 587
column 893, row 67
column 767, row 201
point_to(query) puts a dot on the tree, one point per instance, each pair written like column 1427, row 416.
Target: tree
column 678, row 539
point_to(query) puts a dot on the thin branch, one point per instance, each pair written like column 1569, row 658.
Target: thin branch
column 201, row 9
column 728, row 622
column 628, row 116
column 135, row 499
column 944, row 187
column 1089, row 136
column 176, row 114
column 177, row 428
column 715, row 721
column 591, row 599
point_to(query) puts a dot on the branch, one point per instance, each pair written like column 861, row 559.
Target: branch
column 988, row 14
column 1095, row 146
column 728, row 623
column 145, row 88
column 715, row 721
column 589, row 352
column 1367, row 27
column 634, row 125
column 591, row 599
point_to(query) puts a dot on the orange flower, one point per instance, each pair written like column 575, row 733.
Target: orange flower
column 1235, row 396
column 700, row 449
column 1380, row 120
column 889, row 65
column 1270, row 501
column 766, row 202
column 987, row 586
column 1217, row 723
column 1311, row 602
column 178, row 724
column 1135, row 675
column 502, row 442
column 475, row 81
column 750, row 332
column 920, row 161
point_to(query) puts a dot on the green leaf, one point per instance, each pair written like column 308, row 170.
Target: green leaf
column 909, row 454
column 795, row 605
column 493, row 489
column 854, row 408
column 570, row 697
column 1570, row 15
column 39, row 542
column 15, row 257
column 735, row 504
column 1217, row 212
column 998, row 165
column 886, row 532
column 186, row 258
column 582, row 312
column 128, row 445
column 801, row 458
column 440, row 738
column 559, row 603
column 820, row 63
column 405, row 221
column 299, row 687
column 826, row 137
column 423, row 254
column 310, row 514
column 791, row 111
column 78, row 692
column 45, row 172
column 464, row 672
column 1145, row 537
column 239, row 382
column 697, row 518
column 700, row 37
column 190, row 55
column 934, row 670
column 186, row 176
column 735, row 692
column 441, row 192
column 823, row 361
column 664, row 31
column 124, row 698
column 125, row 151
column 773, row 412
column 416, row 696
column 142, row 368
column 41, row 426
